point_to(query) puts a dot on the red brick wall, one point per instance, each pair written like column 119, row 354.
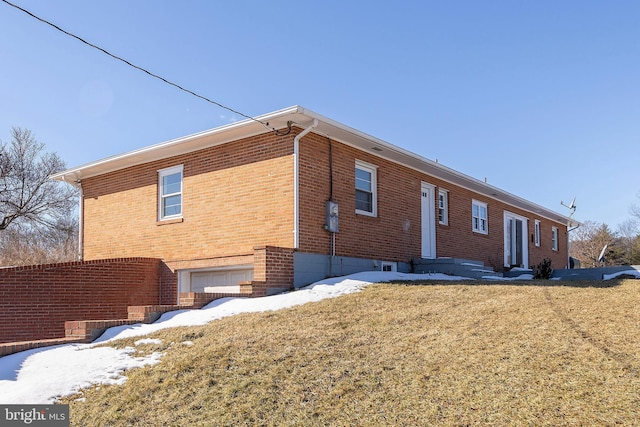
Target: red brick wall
column 168, row 282
column 395, row 234
column 235, row 196
column 239, row 195
column 35, row 301
column 273, row 269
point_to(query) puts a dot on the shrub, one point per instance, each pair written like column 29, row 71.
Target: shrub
column 543, row 270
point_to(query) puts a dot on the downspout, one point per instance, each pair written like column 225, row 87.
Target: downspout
column 80, row 222
column 296, row 183
column 78, row 185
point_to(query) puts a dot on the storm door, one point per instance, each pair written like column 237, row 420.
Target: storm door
column 516, row 251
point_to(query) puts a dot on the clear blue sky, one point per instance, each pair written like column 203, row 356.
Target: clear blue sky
column 542, row 97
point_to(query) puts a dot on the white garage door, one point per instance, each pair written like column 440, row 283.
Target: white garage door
column 219, row 281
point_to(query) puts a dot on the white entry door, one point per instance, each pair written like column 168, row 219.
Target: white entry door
column 516, row 247
column 428, row 221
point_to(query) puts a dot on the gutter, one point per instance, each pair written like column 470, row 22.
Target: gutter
column 296, row 184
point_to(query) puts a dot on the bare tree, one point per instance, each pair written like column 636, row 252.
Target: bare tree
column 20, row 245
column 634, row 210
column 38, row 218
column 27, row 195
column 588, row 241
column 628, row 232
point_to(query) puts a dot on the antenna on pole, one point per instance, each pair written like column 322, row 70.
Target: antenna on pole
column 601, row 257
column 571, row 206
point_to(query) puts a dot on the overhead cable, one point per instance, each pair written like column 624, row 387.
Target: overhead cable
column 136, row 66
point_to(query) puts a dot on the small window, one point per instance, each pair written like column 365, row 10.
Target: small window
column 479, row 217
column 389, row 266
column 366, row 189
column 537, row 233
column 554, row 238
column 170, row 193
column 443, row 207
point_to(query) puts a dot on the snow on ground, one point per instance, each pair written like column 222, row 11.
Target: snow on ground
column 40, row 376
column 525, row 276
column 634, row 273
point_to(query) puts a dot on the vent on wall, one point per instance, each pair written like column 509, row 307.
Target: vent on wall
column 376, row 148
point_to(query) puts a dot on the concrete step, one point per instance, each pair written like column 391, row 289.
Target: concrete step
column 448, row 261
column 454, row 267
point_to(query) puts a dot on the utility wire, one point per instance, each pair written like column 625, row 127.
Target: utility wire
column 135, row 66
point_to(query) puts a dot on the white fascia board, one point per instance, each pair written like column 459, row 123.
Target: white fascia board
column 182, row 145
column 380, row 148
column 303, row 117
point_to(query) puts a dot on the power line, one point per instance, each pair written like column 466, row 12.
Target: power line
column 135, row 66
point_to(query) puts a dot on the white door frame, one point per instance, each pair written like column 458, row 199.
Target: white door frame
column 428, row 223
column 525, row 238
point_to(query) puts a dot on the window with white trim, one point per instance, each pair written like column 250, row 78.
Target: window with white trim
column 479, row 217
column 554, row 238
column 443, row 207
column 537, row 232
column 170, row 193
column 366, row 198
column 389, row 266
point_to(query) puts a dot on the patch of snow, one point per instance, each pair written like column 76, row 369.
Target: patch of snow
column 42, row 375
column 46, row 375
column 506, row 279
column 634, row 273
column 148, row 341
column 187, row 343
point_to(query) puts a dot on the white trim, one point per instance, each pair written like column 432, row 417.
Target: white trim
column 373, row 170
column 393, row 265
column 525, row 239
column 304, row 117
column 445, row 208
column 479, row 228
column 81, row 223
column 296, row 183
column 184, row 275
column 536, row 233
column 555, row 236
column 428, row 236
column 161, row 174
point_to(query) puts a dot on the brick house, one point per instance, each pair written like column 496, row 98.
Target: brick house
column 242, row 203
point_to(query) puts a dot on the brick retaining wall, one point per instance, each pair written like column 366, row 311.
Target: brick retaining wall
column 35, row 301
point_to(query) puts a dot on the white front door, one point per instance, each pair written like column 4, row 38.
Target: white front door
column 428, row 221
column 516, row 247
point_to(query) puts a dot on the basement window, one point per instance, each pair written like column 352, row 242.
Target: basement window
column 170, row 193
column 389, row 266
column 366, row 198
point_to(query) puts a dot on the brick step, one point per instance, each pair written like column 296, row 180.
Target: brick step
column 89, row 330
column 200, row 299
column 16, row 347
column 86, row 331
column 150, row 313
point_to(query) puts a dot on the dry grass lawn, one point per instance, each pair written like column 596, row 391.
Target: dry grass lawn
column 536, row 353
